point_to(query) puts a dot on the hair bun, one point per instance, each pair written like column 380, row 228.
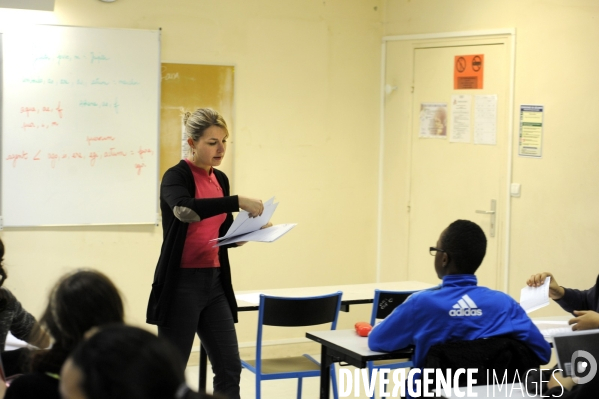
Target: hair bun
column 186, row 117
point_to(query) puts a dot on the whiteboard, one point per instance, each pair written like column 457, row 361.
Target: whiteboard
column 80, row 123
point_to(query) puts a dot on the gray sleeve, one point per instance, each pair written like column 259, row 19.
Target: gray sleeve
column 21, row 321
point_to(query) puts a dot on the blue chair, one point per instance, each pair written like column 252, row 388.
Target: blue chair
column 292, row 312
column 383, row 304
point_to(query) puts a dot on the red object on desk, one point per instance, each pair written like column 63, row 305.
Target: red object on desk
column 363, row 328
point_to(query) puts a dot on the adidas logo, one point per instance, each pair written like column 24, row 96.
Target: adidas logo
column 465, row 307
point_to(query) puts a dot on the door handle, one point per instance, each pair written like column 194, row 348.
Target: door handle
column 492, row 213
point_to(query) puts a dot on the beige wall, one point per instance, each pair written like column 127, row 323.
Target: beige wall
column 554, row 224
column 305, row 130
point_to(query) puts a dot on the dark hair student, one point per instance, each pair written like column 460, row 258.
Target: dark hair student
column 124, row 362
column 78, row 302
column 192, row 290
column 20, row 323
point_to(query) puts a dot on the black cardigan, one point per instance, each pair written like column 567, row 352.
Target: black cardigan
column 178, row 189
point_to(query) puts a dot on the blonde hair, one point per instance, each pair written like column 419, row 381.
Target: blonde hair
column 201, row 119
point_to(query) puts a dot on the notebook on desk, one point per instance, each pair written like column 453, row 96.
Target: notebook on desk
column 550, row 328
column 577, row 352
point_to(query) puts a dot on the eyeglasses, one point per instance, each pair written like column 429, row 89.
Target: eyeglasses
column 433, row 251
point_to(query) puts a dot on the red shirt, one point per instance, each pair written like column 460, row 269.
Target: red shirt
column 198, row 251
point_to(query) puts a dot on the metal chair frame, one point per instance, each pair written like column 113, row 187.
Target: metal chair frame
column 293, row 312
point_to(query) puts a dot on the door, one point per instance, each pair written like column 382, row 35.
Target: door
column 453, row 180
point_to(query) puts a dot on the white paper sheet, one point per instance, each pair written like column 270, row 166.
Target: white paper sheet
column 460, row 118
column 243, row 223
column 533, row 298
column 552, row 328
column 269, row 234
column 485, row 119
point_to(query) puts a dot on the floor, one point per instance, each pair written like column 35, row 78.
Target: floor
column 276, row 389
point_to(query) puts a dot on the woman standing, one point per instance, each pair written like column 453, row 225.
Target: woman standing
column 192, row 291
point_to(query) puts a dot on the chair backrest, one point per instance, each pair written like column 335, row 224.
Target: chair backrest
column 299, row 311
column 296, row 312
column 385, row 302
column 498, row 354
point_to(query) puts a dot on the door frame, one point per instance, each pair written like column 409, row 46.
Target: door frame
column 386, row 89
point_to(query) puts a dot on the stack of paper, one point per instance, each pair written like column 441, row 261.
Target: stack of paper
column 246, row 228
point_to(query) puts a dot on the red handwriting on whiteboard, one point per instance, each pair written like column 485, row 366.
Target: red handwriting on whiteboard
column 143, row 151
column 92, row 158
column 55, row 157
column 114, row 153
column 37, row 126
column 27, row 110
column 138, row 166
column 15, row 157
column 99, row 138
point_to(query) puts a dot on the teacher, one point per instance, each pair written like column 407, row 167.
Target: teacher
column 192, row 291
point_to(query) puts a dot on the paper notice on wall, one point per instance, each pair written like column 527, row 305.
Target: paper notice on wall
column 460, row 118
column 530, row 138
column 433, row 120
column 485, row 119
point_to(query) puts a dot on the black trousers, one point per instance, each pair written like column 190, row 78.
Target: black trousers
column 200, row 306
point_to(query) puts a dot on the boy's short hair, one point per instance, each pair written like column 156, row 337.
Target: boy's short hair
column 466, row 245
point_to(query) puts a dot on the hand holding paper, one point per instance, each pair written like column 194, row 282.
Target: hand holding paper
column 246, row 228
column 533, row 298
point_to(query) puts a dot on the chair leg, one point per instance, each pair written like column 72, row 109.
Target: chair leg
column 384, row 387
column 299, row 388
column 257, row 387
column 334, row 382
column 370, row 371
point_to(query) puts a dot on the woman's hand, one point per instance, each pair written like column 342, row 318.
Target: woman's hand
column 555, row 291
column 252, row 206
column 266, row 226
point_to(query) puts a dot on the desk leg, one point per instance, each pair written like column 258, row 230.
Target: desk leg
column 203, row 367
column 325, row 373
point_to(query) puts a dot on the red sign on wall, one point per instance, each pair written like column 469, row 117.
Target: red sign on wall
column 468, row 71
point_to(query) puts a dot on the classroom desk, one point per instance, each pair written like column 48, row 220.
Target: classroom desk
column 353, row 294
column 347, row 346
column 490, row 391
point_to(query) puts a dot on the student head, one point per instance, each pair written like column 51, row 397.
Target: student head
column 79, row 301
column 119, row 362
column 2, row 271
column 462, row 246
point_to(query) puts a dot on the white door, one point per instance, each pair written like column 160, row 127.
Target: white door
column 450, row 180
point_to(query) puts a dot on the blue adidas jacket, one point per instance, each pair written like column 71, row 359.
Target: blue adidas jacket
column 456, row 310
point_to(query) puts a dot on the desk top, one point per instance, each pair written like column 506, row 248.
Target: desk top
column 496, row 391
column 352, row 293
column 350, row 343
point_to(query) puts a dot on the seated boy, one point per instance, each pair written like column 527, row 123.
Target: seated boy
column 458, row 309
